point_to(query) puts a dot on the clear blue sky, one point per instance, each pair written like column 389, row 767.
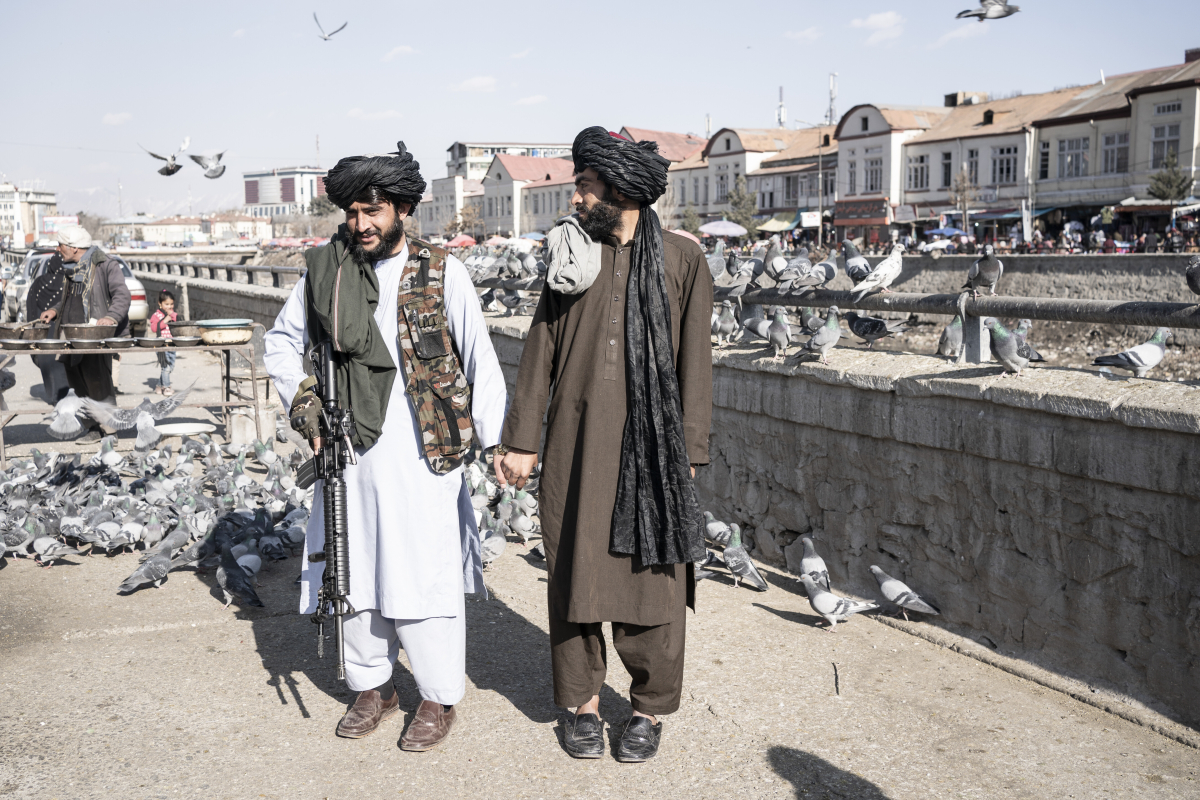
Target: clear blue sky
column 86, row 81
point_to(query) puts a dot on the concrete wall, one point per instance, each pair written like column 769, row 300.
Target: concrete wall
column 1053, row 517
column 209, row 299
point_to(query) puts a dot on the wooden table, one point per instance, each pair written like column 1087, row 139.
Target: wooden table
column 233, row 394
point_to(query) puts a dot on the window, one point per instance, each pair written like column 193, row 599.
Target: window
column 696, row 191
column 535, row 204
column 873, row 176
column 705, row 190
column 1073, row 157
column 491, row 208
column 973, row 167
column 722, row 188
column 851, row 178
column 1165, row 141
column 1004, row 165
column 1169, row 108
column 947, row 169
column 828, row 179
column 1044, row 161
column 728, row 144
column 791, row 188
column 865, row 124
column 1116, row 153
column 682, row 199
column 918, row 172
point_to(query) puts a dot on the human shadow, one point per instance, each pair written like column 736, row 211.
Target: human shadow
column 814, row 778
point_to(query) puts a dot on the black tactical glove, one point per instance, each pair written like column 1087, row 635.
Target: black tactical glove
column 305, row 413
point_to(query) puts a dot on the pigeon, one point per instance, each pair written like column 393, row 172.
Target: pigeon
column 123, row 418
column 779, row 334
column 856, row 265
column 811, row 320
column 1193, row 274
column 211, row 164
column 538, row 551
column 989, row 9
column 882, row 276
column 171, row 167
column 952, row 338
column 985, row 271
column 64, row 420
column 49, row 550
column 492, row 541
column 739, row 563
column 897, row 592
column 833, row 608
column 813, row 565
column 725, row 324
column 870, row 328
column 1141, row 359
column 153, row 571
column 823, row 340
column 701, row 568
column 250, row 564
column 1022, row 333
column 715, row 530
column 326, row 36
column 813, row 276
column 233, row 580
column 1007, row 348
column 716, row 261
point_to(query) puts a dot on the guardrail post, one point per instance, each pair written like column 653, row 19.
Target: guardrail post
column 276, row 279
column 976, row 347
column 229, row 275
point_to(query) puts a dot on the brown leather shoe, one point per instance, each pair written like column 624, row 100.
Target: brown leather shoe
column 429, row 727
column 366, row 714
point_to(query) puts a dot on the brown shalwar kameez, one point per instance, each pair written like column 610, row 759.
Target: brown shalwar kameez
column 576, row 344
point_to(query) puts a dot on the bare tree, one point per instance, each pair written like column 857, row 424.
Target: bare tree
column 469, row 221
column 962, row 194
column 670, row 207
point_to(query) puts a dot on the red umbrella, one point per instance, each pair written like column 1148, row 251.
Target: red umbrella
column 462, row 240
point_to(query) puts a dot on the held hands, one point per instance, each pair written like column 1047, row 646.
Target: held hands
column 514, row 468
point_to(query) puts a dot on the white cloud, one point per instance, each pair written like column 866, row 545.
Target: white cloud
column 521, row 54
column 480, row 83
column 402, row 50
column 239, row 33
column 372, row 116
column 533, row 100
column 117, row 118
column 960, row 32
column 806, row 35
column 884, row 25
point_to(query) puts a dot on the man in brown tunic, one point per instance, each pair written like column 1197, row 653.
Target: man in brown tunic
column 577, row 346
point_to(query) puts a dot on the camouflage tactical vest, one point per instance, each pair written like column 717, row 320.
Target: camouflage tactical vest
column 433, row 376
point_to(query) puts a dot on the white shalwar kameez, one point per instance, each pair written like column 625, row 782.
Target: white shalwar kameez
column 414, row 546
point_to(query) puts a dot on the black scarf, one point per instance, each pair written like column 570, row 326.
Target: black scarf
column 656, row 516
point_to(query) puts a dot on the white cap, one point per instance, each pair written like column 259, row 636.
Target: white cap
column 75, row 236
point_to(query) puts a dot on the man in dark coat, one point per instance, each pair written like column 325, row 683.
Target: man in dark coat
column 627, row 350
column 94, row 289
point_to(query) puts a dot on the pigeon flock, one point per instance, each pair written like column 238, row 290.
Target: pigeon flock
column 209, row 162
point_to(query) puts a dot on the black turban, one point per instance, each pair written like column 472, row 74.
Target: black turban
column 656, row 516
column 635, row 170
column 396, row 175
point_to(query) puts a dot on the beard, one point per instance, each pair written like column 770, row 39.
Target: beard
column 601, row 219
column 383, row 248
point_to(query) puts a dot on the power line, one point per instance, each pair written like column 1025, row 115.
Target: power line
column 126, row 152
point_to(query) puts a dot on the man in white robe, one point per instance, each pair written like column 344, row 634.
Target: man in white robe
column 413, row 543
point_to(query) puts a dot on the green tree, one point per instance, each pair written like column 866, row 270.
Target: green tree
column 691, row 220
column 322, row 206
column 742, row 206
column 1170, row 184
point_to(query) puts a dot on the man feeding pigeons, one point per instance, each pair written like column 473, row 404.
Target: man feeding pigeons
column 415, row 363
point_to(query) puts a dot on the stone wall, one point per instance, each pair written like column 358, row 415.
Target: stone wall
column 1052, row 516
column 211, row 299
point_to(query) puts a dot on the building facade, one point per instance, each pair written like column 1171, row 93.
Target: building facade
column 23, row 213
column 175, row 231
column 503, row 212
column 288, row 190
column 472, row 160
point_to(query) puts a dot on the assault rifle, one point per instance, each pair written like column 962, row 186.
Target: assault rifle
column 329, row 465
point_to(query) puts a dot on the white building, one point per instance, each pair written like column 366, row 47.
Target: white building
column 226, row 227
column 502, row 196
column 471, row 160
column 442, row 205
column 125, row 229
column 22, row 214
column 288, row 190
column 545, row 201
column 175, row 230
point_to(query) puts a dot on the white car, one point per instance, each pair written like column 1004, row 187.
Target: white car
column 35, row 264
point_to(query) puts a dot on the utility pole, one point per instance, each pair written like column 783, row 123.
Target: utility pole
column 831, row 115
column 120, row 206
column 708, row 126
column 318, row 149
column 781, row 112
column 820, row 188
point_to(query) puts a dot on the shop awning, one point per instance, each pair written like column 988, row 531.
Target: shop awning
column 995, row 213
column 783, row 221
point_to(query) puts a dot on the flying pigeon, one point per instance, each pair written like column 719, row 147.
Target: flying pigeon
column 171, row 167
column 824, row 339
column 1193, row 274
column 323, row 34
column 1141, row 359
column 143, row 416
column 870, row 328
column 739, row 563
column 64, row 420
column 989, row 9
column 833, row 608
column 813, row 565
column 952, row 338
column 985, row 271
column 1010, row 351
column 882, row 276
column 211, row 164
column 856, row 265
column 897, row 592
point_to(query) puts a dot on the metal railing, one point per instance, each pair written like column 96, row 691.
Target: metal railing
column 195, row 269
column 975, row 336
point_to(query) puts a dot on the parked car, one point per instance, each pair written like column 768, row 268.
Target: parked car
column 35, row 264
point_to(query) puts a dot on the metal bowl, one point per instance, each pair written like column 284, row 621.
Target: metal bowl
column 16, row 344
column 38, row 330
column 146, row 341
column 51, row 344
column 184, row 328
column 83, row 344
column 185, row 341
column 226, row 336
column 92, row 332
column 120, row 343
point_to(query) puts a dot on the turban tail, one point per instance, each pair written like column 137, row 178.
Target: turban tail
column 656, row 516
column 395, row 174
